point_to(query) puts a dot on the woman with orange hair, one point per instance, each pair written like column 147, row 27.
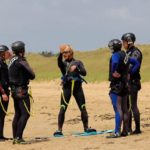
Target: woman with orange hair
column 71, row 70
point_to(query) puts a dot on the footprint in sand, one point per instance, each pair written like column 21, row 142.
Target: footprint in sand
column 73, row 121
column 104, row 117
column 45, row 113
column 146, row 125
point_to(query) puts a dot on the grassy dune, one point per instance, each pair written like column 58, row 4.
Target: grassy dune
column 96, row 63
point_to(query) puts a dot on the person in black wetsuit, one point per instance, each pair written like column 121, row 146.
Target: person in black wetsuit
column 4, row 88
column 19, row 75
column 72, row 70
column 118, row 77
column 128, row 40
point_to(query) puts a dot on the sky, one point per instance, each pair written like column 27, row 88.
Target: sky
column 85, row 24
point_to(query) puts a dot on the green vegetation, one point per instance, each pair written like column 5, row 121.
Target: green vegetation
column 96, row 63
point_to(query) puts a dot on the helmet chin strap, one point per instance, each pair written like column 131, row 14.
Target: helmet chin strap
column 22, row 54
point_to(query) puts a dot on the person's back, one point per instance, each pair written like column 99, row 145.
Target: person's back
column 20, row 73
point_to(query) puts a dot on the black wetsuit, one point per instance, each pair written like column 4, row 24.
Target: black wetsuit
column 135, row 86
column 67, row 79
column 19, row 75
column 4, row 88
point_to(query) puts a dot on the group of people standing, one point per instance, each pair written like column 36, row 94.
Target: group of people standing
column 15, row 76
column 124, row 77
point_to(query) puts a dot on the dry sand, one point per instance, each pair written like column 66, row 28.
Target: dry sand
column 101, row 117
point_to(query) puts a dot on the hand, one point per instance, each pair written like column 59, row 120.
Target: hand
column 116, row 74
column 62, row 47
column 5, row 97
column 72, row 68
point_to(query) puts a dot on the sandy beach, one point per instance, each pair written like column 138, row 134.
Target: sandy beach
column 101, row 116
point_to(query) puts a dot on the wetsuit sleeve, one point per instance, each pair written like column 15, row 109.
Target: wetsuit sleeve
column 135, row 65
column 114, row 62
column 28, row 69
column 81, row 69
column 137, row 55
column 1, row 87
column 61, row 64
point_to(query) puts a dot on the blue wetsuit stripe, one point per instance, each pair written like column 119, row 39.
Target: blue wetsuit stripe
column 114, row 99
column 115, row 62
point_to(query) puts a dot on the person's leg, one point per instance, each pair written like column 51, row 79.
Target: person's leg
column 135, row 110
column 24, row 116
column 117, row 103
column 1, row 124
column 16, row 117
column 130, row 114
column 65, row 98
column 80, row 99
column 125, row 116
column 2, row 118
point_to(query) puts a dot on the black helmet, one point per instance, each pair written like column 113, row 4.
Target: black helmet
column 18, row 47
column 129, row 37
column 3, row 48
column 115, row 45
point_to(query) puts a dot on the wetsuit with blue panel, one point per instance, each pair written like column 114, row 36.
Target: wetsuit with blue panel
column 135, row 86
column 119, row 63
column 128, row 40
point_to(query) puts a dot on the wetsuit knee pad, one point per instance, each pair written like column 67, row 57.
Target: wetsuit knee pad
column 63, row 107
column 83, row 107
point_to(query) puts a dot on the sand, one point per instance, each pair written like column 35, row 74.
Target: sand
column 101, row 116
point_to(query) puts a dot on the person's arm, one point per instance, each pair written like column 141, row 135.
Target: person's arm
column 81, row 69
column 27, row 68
column 61, row 64
column 114, row 65
column 1, row 87
column 4, row 95
column 137, row 55
column 135, row 65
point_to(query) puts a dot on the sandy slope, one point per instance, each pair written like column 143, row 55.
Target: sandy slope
column 101, row 117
